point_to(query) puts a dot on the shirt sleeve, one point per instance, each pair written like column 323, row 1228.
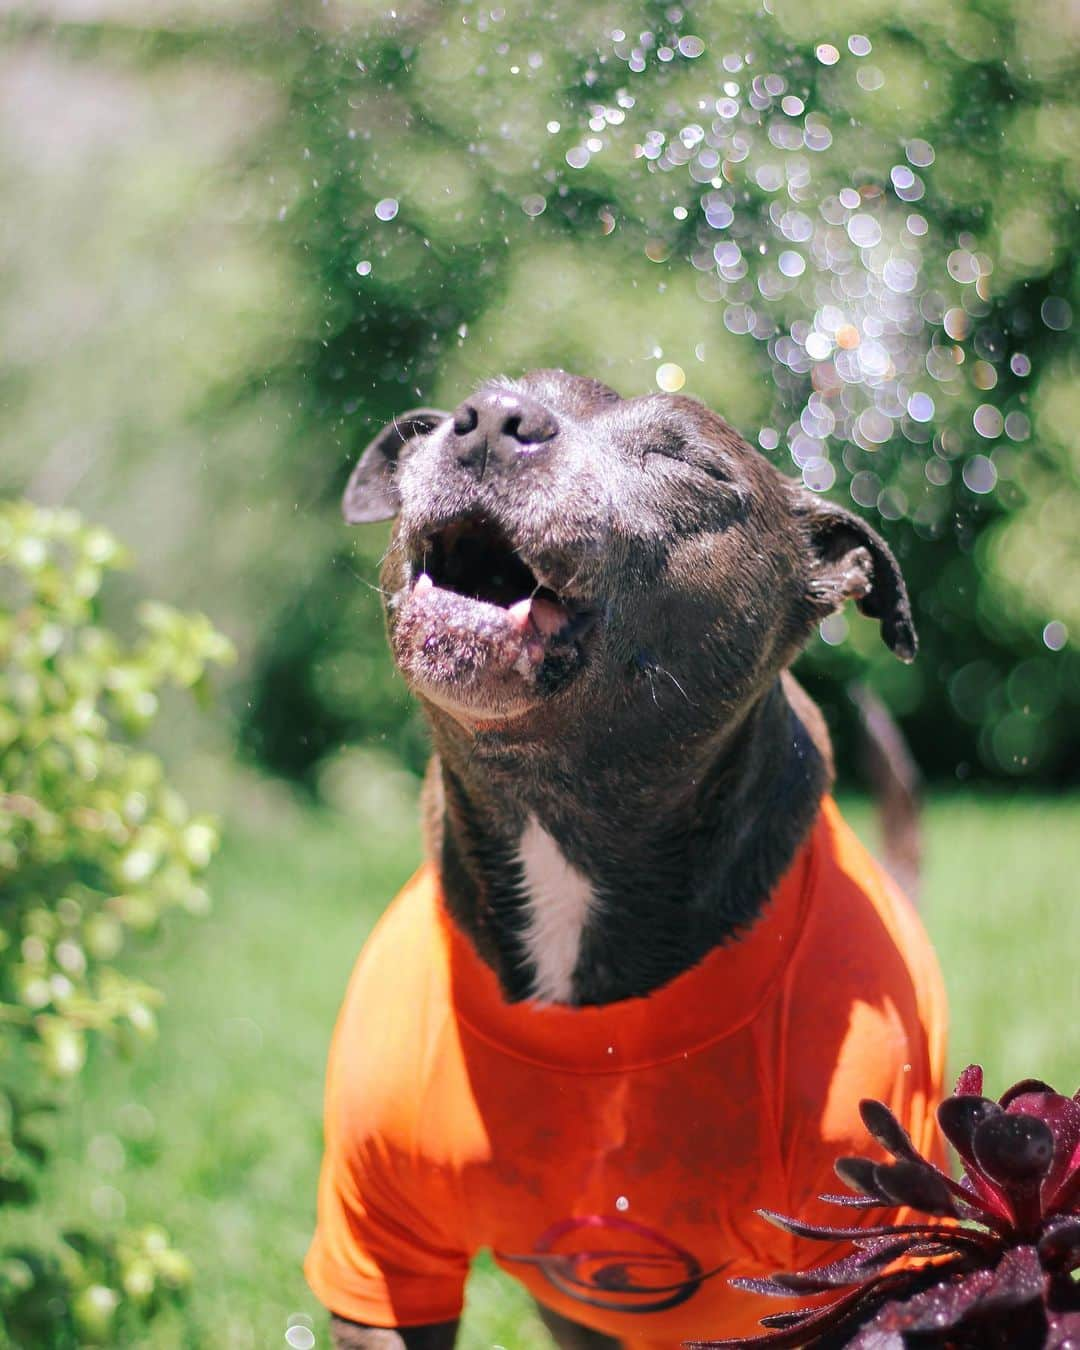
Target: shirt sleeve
column 378, row 1257
column 389, row 1248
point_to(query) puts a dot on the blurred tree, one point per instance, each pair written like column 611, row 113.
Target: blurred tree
column 331, row 213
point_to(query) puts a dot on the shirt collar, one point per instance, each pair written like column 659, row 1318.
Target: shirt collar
column 713, row 999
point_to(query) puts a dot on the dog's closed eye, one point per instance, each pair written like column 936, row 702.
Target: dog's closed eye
column 702, row 464
column 694, row 456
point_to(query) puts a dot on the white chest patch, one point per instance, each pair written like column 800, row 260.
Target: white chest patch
column 561, row 900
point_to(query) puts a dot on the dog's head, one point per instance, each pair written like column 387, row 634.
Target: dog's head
column 561, row 554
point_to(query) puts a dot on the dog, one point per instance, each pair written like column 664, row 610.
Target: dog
column 646, row 974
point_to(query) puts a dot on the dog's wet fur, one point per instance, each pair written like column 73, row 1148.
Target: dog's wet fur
column 596, row 600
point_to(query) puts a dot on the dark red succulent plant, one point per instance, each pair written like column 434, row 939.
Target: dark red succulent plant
column 996, row 1263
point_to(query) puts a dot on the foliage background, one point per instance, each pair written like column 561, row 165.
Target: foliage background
column 191, row 357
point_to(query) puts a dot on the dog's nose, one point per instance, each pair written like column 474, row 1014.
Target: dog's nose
column 499, row 425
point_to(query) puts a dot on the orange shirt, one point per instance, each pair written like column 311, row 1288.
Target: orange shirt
column 612, row 1158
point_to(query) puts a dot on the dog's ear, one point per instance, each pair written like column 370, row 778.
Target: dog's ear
column 371, row 493
column 850, row 561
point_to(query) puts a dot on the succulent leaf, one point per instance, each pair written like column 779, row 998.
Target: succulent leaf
column 995, row 1263
column 917, row 1185
column 861, row 1175
column 1063, row 1331
column 1014, row 1149
column 1060, row 1243
column 887, row 1130
column 1025, row 1087
column 970, row 1082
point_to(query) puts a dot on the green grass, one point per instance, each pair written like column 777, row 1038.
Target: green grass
column 216, row 1131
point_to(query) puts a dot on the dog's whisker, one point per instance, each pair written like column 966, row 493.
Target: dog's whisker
column 676, row 683
column 395, row 546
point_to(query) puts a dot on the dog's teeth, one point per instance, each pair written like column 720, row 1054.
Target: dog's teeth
column 520, row 614
column 423, row 584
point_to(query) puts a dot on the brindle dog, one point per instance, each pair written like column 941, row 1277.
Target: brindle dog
column 596, row 600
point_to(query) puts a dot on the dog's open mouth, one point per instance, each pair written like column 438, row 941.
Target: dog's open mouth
column 477, row 618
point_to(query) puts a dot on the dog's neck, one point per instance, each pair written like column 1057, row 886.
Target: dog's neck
column 604, row 871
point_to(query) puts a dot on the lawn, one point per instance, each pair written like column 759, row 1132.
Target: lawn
column 216, row 1131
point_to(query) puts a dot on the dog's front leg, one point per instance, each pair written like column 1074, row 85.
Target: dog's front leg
column 353, row 1336
column 572, row 1335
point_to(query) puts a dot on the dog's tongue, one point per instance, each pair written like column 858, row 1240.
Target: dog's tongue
column 547, row 617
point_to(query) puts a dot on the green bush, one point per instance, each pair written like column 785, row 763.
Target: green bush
column 94, row 845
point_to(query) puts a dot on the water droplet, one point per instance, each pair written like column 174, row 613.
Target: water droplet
column 387, row 208
column 819, row 475
column 979, row 474
column 873, row 425
column 900, row 275
column 1056, row 313
column 859, row 45
column 834, row 629
column 300, row 1338
column 957, row 323
column 938, row 472
column 901, row 176
column 870, row 78
column 670, row 377
column 920, row 153
column 770, row 177
column 989, row 423
column 554, row 127
column 534, row 204
column 577, row 157
column 864, row 231
column 1017, row 426
column 691, row 46
column 1020, row 364
column 622, row 1204
column 1055, row 635
column 718, row 213
column 818, row 346
column 921, row 408
column 962, row 266
column 792, row 264
column 768, row 438
column 363, row 268
column 827, row 54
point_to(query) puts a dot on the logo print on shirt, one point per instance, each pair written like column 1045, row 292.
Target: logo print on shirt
column 617, row 1264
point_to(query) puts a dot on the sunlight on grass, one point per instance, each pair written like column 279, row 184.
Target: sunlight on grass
column 218, row 1130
